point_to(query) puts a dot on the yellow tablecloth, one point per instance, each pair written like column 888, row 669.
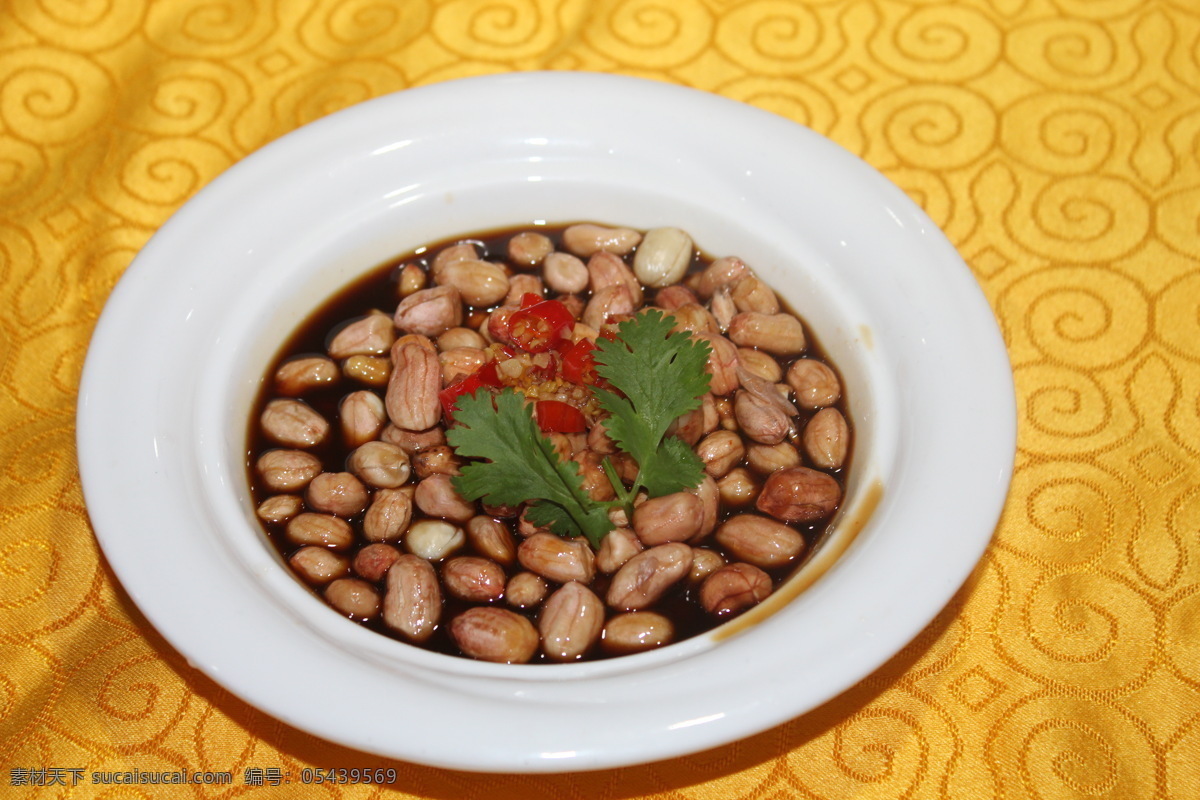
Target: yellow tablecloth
column 1056, row 141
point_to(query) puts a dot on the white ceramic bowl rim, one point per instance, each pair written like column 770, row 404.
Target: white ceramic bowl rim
column 177, row 357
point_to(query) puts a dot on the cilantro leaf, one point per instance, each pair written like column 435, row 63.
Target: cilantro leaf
column 522, row 466
column 662, row 376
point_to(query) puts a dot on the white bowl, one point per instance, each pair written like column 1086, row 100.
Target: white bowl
column 179, row 352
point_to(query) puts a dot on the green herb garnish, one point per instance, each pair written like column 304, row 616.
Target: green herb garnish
column 662, row 377
column 658, row 376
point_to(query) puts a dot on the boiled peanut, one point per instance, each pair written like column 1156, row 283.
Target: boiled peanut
column 458, row 362
column 557, row 559
column 761, row 420
column 494, row 634
column 322, row 530
column 429, row 312
column 462, row 251
column 721, row 364
column 595, row 481
column 738, row 487
column 525, row 590
column 710, row 496
column 492, row 538
column 780, row 334
column 670, row 298
column 723, row 308
column 279, row 508
column 436, row 496
column 362, row 416
column 760, row 364
column 751, row 294
column 570, row 622
column 439, row 460
column 433, row 539
column 647, row 576
column 354, row 598
column 565, row 273
column 460, row 337
column 370, row 335
column 760, row 541
column 815, row 384
column 663, row 257
column 635, row 632
column 585, row 239
column 479, row 283
column 766, row 458
column 293, row 423
column 371, row 370
column 317, row 565
column 528, row 248
column 412, row 279
column 618, row 546
column 733, row 588
column 412, row 604
column 799, row 494
column 693, row 318
column 827, row 439
column 474, row 579
column 720, row 451
column 721, row 272
column 287, row 470
column 337, row 493
column 388, row 515
column 413, row 442
column 373, row 561
column 608, row 302
column 522, row 284
column 671, row 518
column 299, row 375
column 412, row 393
column 380, row 465
column 704, row 563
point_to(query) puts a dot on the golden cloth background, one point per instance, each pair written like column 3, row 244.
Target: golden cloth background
column 1057, row 143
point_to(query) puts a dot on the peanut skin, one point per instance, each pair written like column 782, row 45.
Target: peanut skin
column 799, row 494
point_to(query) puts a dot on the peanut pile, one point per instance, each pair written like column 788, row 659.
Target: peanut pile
column 353, row 476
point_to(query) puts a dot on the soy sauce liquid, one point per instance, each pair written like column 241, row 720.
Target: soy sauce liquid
column 379, row 290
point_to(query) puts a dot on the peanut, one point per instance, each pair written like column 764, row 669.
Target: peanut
column 299, row 375
column 760, row 541
column 557, row 559
column 799, row 494
column 412, row 393
column 827, row 439
column 412, row 604
column 733, row 588
column 287, row 470
column 293, row 423
column 647, row 576
column 570, row 623
column 494, row 634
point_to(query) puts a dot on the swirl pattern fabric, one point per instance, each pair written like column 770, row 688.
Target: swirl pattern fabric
column 1057, row 142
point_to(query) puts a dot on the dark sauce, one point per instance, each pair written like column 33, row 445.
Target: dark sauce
column 379, row 290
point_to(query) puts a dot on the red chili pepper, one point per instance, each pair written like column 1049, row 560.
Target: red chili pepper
column 484, row 376
column 530, row 299
column 555, row 416
column 538, row 327
column 579, row 363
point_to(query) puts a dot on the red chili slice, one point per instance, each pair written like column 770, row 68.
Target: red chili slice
column 538, row 327
column 484, row 376
column 579, row 363
column 555, row 416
